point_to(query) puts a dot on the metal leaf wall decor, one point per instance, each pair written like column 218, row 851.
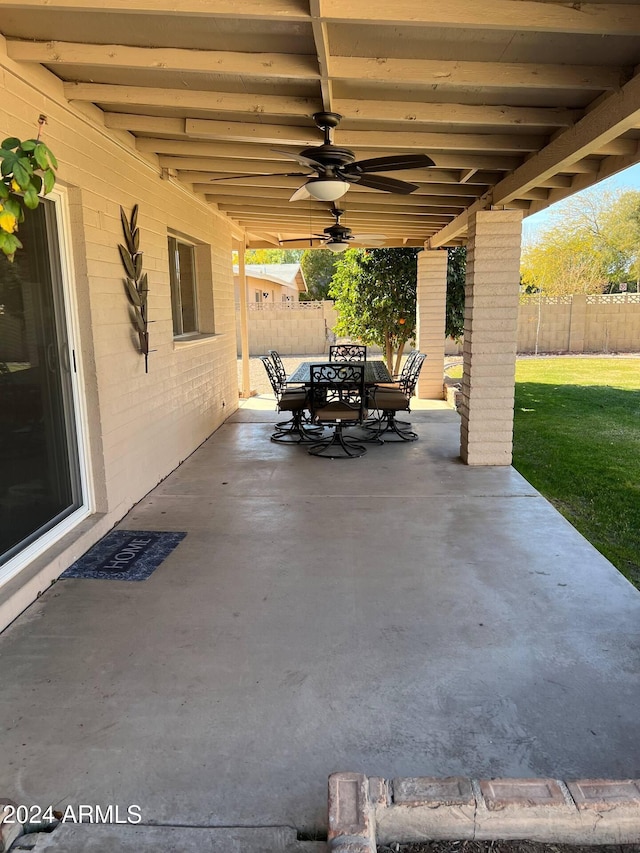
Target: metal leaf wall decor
column 135, row 284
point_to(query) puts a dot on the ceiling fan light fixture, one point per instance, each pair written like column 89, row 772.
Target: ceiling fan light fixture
column 337, row 245
column 327, row 189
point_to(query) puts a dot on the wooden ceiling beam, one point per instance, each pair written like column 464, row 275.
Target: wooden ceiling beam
column 518, row 15
column 192, row 148
column 321, row 41
column 446, row 183
column 185, row 99
column 412, row 216
column 352, row 109
column 274, row 65
column 416, row 112
column 450, row 74
column 242, row 131
column 612, row 117
column 417, row 199
column 274, row 10
column 363, row 201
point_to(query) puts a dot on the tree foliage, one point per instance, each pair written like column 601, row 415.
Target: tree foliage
column 375, row 294
column 591, row 246
column 456, row 273
column 318, row 266
column 273, row 256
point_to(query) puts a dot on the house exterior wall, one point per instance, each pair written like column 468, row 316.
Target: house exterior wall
column 138, row 426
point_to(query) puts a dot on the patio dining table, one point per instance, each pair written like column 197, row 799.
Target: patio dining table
column 374, row 372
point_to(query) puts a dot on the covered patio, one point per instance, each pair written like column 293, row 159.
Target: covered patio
column 403, row 614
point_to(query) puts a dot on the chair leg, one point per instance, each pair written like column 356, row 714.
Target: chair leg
column 387, row 425
column 295, row 431
column 338, row 441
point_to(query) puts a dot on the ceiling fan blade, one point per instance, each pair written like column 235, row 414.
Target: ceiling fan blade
column 389, row 164
column 263, row 175
column 301, row 193
column 299, row 158
column 385, row 185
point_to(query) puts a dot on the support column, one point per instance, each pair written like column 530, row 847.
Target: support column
column 430, row 321
column 490, row 337
column 245, row 390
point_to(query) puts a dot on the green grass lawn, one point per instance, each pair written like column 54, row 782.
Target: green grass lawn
column 577, row 440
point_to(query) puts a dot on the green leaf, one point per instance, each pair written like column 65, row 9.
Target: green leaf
column 132, row 292
column 7, row 164
column 49, row 180
column 25, row 162
column 10, row 142
column 126, row 261
column 52, row 160
column 40, row 156
column 28, row 144
column 4, row 190
column 36, row 182
column 31, row 198
column 21, row 176
column 9, row 243
column 13, row 206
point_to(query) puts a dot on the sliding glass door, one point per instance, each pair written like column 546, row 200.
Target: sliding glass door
column 39, row 468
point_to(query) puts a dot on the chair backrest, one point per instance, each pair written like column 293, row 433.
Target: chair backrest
column 271, row 373
column 408, row 364
column 408, row 382
column 279, row 366
column 341, row 383
column 347, row 352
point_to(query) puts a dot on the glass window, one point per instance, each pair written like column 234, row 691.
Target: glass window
column 182, row 272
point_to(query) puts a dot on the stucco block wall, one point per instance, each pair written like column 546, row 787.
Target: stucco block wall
column 293, row 329
column 140, row 426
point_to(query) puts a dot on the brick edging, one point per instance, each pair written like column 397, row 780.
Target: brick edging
column 364, row 810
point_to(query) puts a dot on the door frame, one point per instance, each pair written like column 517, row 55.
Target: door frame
column 72, row 331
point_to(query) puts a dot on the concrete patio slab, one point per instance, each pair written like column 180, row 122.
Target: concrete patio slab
column 395, row 615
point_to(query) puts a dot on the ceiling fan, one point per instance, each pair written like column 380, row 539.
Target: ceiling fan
column 337, row 168
column 336, row 237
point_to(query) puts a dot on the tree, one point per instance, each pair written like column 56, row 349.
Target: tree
column 592, row 244
column 271, row 256
column 318, row 266
column 456, row 274
column 375, row 293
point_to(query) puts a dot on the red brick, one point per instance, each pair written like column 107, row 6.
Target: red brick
column 426, row 790
column 604, row 793
column 500, row 793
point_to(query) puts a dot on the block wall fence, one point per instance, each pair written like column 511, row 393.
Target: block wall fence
column 578, row 323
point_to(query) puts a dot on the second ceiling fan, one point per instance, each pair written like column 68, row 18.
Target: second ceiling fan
column 336, row 237
column 337, row 168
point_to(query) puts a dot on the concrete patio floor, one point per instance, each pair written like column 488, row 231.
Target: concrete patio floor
column 399, row 614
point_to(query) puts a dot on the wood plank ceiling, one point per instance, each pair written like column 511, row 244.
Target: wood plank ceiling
column 519, row 102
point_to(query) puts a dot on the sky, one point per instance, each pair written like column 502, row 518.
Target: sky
column 629, row 179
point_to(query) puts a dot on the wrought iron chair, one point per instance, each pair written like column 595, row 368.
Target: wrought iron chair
column 399, row 379
column 347, row 352
column 337, row 399
column 388, row 401
column 292, row 431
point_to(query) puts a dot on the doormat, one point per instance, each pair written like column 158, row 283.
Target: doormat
column 125, row 555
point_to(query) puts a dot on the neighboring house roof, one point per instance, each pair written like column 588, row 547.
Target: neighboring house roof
column 287, row 275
